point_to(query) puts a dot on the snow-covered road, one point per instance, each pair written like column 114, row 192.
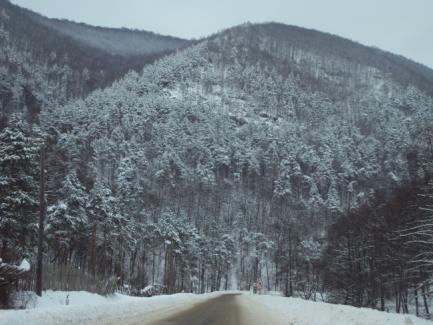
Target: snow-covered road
column 219, row 308
column 226, row 309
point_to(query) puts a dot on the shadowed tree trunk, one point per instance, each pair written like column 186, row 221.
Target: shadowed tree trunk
column 42, row 213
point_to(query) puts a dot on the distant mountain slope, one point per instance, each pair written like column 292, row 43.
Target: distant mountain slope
column 42, row 62
column 223, row 163
column 284, row 43
column 115, row 41
column 263, row 112
column 240, row 151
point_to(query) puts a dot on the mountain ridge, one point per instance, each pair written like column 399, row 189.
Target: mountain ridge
column 253, row 82
column 112, row 40
column 57, row 66
column 335, row 45
column 63, row 28
column 244, row 157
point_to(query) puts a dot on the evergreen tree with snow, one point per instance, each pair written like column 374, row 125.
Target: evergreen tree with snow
column 19, row 174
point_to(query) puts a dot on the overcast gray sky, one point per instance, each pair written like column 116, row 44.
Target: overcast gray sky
column 400, row 26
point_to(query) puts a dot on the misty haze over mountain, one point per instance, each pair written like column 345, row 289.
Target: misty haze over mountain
column 398, row 26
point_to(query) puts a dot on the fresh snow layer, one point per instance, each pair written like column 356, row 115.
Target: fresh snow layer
column 59, row 307
column 296, row 311
column 24, row 266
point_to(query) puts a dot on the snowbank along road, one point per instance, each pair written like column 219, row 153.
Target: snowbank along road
column 224, row 308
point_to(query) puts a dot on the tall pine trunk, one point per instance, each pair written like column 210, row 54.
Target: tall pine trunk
column 42, row 213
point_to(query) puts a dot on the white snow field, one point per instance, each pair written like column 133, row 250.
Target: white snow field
column 87, row 308
column 295, row 311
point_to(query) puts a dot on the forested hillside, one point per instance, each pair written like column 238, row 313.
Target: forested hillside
column 42, row 63
column 265, row 151
column 123, row 41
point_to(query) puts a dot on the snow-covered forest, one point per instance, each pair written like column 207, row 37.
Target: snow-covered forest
column 262, row 152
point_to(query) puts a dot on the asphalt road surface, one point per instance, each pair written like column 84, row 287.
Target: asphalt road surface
column 227, row 309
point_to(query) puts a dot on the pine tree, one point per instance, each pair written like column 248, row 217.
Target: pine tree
column 19, row 149
column 67, row 220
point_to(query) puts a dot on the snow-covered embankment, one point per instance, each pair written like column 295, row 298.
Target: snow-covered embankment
column 56, row 307
column 301, row 312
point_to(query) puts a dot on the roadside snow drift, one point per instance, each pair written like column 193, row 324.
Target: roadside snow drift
column 296, row 311
column 58, row 307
